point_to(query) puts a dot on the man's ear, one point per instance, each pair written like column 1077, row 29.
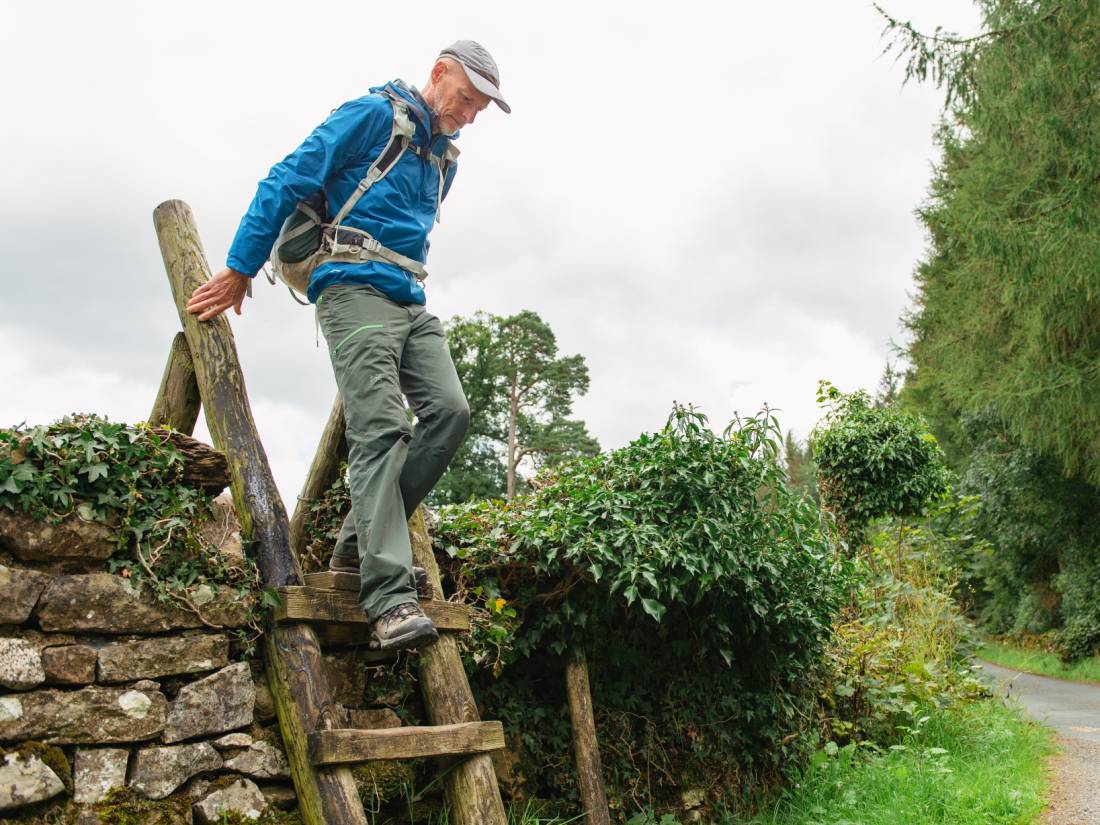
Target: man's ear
column 438, row 70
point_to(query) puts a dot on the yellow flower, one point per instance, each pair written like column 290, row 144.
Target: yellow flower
column 499, row 604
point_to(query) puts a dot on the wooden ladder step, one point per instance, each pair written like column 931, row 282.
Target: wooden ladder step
column 335, row 747
column 328, row 580
column 310, row 604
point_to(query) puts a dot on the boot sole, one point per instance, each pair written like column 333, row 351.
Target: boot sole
column 414, row 639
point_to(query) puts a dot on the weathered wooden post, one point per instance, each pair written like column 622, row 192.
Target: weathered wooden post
column 585, row 748
column 178, row 401
column 471, row 786
column 322, row 473
column 327, row 796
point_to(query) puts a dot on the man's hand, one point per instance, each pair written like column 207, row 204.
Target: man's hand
column 226, row 289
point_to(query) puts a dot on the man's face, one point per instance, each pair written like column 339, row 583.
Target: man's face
column 457, row 102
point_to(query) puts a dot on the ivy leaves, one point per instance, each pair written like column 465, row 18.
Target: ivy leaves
column 700, row 587
column 678, row 520
column 128, row 478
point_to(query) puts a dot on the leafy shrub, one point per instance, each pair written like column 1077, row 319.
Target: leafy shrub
column 128, row 478
column 873, row 461
column 700, row 589
column 900, row 646
column 1043, row 573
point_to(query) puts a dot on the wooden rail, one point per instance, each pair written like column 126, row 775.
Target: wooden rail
column 323, row 472
column 295, row 674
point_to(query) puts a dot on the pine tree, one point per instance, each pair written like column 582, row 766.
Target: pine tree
column 1007, row 314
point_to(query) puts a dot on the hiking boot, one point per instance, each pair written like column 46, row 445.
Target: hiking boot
column 404, row 627
column 346, row 564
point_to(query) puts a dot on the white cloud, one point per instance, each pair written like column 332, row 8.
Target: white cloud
column 712, row 204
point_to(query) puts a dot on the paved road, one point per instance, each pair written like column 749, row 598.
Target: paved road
column 1070, row 708
column 1073, row 710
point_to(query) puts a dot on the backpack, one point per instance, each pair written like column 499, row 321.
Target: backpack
column 308, row 238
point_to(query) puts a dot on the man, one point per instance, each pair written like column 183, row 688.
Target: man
column 382, row 342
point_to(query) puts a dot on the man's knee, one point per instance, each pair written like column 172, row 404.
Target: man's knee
column 456, row 409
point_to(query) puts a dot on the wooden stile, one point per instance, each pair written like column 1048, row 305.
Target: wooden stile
column 307, row 715
column 295, row 674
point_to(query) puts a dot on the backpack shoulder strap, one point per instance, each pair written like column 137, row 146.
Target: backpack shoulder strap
column 401, row 136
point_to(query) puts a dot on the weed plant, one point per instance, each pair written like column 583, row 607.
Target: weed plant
column 901, row 644
column 972, row 764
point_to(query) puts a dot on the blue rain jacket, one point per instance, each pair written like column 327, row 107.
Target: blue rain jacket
column 398, row 210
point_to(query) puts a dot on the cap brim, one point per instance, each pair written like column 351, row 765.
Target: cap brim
column 486, row 87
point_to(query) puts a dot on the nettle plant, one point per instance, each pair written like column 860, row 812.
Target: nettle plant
column 873, row 462
column 128, row 478
column 699, row 588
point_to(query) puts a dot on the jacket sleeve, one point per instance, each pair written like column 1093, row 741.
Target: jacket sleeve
column 348, row 133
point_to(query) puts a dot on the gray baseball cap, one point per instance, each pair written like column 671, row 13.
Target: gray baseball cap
column 480, row 68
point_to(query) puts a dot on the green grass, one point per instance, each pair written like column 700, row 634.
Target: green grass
column 980, row 763
column 1037, row 661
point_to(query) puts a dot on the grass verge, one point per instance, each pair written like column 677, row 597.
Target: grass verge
column 978, row 763
column 1040, row 662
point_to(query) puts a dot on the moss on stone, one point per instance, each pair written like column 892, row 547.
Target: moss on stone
column 383, row 782
column 51, row 755
column 124, row 807
column 269, row 817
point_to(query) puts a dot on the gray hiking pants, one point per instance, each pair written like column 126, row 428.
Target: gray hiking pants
column 381, row 350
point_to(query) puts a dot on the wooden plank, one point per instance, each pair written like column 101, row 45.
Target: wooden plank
column 470, row 787
column 308, row 604
column 333, row 581
column 294, row 670
column 328, row 580
column 585, row 748
column 333, row 747
column 177, row 403
column 323, row 472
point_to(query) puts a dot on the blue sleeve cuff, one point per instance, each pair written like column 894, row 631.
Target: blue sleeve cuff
column 239, row 265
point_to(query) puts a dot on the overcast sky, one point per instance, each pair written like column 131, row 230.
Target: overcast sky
column 712, row 203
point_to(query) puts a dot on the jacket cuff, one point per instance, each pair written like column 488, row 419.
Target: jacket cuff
column 245, row 269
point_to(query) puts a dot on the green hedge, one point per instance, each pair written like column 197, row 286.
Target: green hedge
column 700, row 589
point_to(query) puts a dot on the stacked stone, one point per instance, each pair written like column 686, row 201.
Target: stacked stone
column 104, row 687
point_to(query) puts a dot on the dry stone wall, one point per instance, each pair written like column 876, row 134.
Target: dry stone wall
column 102, row 687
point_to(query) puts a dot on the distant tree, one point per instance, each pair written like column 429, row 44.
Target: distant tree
column 1007, row 313
column 1006, row 321
column 801, row 472
column 521, row 398
column 889, row 386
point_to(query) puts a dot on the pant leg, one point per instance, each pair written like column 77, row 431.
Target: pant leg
column 366, row 335
column 347, row 544
column 431, row 384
